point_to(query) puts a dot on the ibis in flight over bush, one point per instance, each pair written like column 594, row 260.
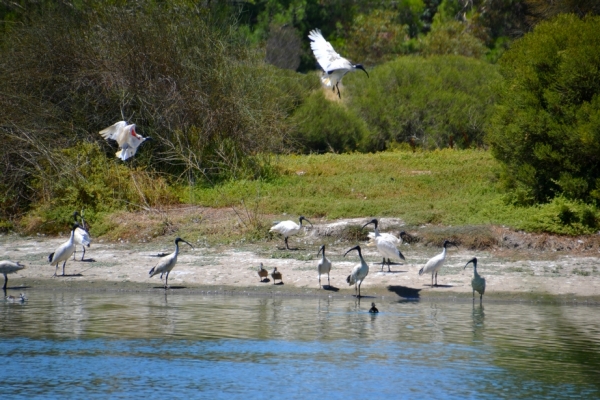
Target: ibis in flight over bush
column 126, row 137
column 435, row 263
column 478, row 282
column 334, row 65
column 288, row 228
column 386, row 244
column 166, row 264
column 359, row 273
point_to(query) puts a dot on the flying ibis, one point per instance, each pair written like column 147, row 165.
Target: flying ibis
column 478, row 282
column 64, row 251
column 126, row 137
column 435, row 263
column 288, row 228
column 9, row 267
column 324, row 266
column 166, row 264
column 334, row 65
column 82, row 236
column 386, row 244
column 359, row 273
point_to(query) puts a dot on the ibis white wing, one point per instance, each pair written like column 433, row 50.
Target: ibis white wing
column 326, row 56
column 113, row 132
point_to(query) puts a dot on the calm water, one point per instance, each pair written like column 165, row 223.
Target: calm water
column 75, row 344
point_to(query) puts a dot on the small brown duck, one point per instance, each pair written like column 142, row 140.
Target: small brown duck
column 13, row 299
column 276, row 275
column 262, row 273
column 373, row 309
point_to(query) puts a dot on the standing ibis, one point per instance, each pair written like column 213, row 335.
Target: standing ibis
column 359, row 273
column 386, row 244
column 288, row 228
column 435, row 263
column 166, row 264
column 324, row 266
column 478, row 282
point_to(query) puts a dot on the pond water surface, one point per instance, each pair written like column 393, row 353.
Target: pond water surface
column 176, row 345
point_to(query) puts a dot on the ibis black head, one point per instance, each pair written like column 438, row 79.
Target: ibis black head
column 304, row 219
column 473, row 260
column 373, row 221
column 148, row 138
column 75, row 226
column 360, row 66
column 357, row 248
column 447, row 242
column 321, row 249
column 181, row 240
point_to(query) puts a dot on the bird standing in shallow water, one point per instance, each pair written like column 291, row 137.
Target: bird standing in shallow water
column 126, row 137
column 478, row 282
column 324, row 266
column 64, row 251
column 9, row 267
column 288, row 228
column 262, row 273
column 334, row 65
column 277, row 275
column 373, row 309
column 359, row 273
column 435, row 263
column 166, row 264
column 386, row 244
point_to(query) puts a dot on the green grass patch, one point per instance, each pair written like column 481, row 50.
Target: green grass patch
column 442, row 187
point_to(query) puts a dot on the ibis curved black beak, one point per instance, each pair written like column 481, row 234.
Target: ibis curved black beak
column 473, row 260
column 181, row 240
column 359, row 66
column 357, row 248
column 321, row 249
column 373, row 221
column 304, row 219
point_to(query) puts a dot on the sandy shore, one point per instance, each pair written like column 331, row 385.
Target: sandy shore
column 118, row 265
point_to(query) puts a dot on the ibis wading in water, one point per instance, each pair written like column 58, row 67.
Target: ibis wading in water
column 359, row 273
column 9, row 267
column 386, row 244
column 81, row 237
column 478, row 282
column 435, row 263
column 288, row 228
column 324, row 266
column 64, row 251
column 126, row 137
column 166, row 264
column 334, row 65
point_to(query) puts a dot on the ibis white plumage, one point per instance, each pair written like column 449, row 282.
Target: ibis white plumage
column 386, row 244
column 324, row 266
column 166, row 264
column 478, row 282
column 334, row 65
column 288, row 228
column 435, row 263
column 64, row 251
column 9, row 267
column 359, row 273
column 126, row 137
column 81, row 236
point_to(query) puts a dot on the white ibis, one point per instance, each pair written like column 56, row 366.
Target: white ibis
column 324, row 266
column 373, row 309
column 359, row 273
column 288, row 228
column 9, row 267
column 82, row 236
column 262, row 273
column 166, row 264
column 334, row 65
column 478, row 282
column 435, row 263
column 386, row 244
column 64, row 251
column 126, row 137
column 276, row 275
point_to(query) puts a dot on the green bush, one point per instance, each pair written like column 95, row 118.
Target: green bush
column 432, row 102
column 322, row 125
column 546, row 127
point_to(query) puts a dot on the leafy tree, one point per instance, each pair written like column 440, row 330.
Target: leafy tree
column 546, row 127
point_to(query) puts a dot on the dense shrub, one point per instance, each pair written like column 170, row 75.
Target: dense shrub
column 431, row 102
column 323, row 125
column 546, row 127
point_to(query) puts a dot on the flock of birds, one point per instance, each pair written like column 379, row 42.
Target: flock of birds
column 386, row 244
column 335, row 67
